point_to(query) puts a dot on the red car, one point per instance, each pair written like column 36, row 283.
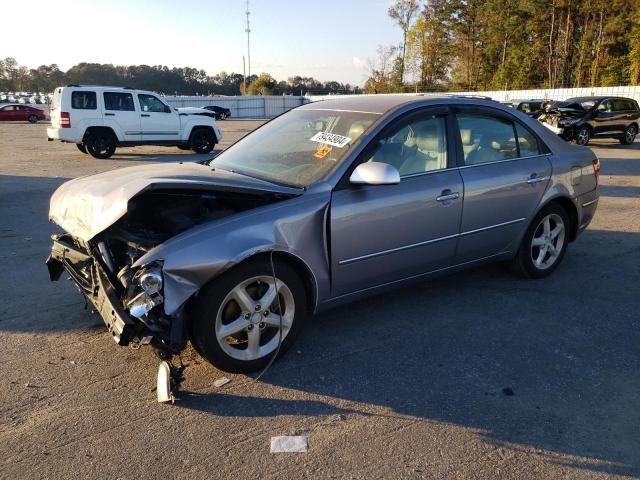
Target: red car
column 15, row 112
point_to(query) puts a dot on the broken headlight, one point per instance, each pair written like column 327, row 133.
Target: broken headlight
column 149, row 279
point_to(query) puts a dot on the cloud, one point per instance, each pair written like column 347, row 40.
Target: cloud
column 359, row 62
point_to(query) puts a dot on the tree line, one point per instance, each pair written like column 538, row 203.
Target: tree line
column 473, row 45
column 159, row 78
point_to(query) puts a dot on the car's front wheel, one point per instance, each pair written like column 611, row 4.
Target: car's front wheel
column 583, row 135
column 629, row 135
column 32, row 119
column 202, row 140
column 100, row 144
column 238, row 320
column 544, row 244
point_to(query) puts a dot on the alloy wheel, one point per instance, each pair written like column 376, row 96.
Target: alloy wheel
column 630, row 134
column 247, row 324
column 583, row 136
column 548, row 241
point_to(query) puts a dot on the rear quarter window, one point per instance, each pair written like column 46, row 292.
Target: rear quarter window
column 83, row 100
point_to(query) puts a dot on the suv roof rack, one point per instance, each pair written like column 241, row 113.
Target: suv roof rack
column 94, row 85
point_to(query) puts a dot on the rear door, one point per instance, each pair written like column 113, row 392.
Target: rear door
column 385, row 233
column 606, row 119
column 120, row 113
column 505, row 170
column 158, row 122
column 8, row 113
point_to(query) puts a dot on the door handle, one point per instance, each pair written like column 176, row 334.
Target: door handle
column 145, row 115
column 109, row 114
column 533, row 179
column 447, row 195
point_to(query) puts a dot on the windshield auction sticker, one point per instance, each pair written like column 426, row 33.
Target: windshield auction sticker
column 330, row 139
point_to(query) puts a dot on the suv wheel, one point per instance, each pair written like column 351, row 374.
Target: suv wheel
column 32, row 119
column 235, row 321
column 100, row 144
column 202, row 140
column 545, row 243
column 81, row 147
column 629, row 135
column 583, row 135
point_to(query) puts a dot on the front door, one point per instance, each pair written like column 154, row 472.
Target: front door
column 505, row 171
column 385, row 233
column 120, row 113
column 158, row 121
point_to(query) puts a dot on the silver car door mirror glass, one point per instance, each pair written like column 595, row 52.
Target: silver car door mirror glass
column 375, row 173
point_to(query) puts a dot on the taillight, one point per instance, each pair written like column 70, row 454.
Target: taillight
column 596, row 169
column 65, row 120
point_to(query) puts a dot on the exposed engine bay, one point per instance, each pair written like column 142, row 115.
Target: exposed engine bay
column 130, row 299
column 155, row 216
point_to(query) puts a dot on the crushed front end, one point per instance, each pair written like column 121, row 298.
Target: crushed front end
column 129, row 301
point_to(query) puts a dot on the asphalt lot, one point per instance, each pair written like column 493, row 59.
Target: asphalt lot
column 405, row 385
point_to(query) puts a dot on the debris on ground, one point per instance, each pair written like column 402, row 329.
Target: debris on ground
column 220, row 382
column 289, row 444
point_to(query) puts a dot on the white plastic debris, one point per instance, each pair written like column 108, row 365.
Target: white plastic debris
column 289, row 444
column 220, row 382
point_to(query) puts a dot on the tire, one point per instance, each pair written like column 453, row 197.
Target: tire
column 583, row 135
column 81, row 147
column 32, row 119
column 531, row 261
column 216, row 308
column 629, row 135
column 202, row 140
column 223, row 116
column 100, row 144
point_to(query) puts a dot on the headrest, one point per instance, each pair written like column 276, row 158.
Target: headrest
column 465, row 134
column 428, row 138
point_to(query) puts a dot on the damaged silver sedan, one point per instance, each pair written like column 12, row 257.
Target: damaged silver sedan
column 325, row 204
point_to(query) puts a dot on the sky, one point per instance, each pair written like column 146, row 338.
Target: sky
column 328, row 39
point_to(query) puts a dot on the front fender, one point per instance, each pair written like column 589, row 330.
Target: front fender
column 296, row 226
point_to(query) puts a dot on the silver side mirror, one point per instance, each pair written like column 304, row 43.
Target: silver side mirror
column 375, row 173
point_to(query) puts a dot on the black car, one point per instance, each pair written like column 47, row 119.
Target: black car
column 530, row 107
column 580, row 119
column 221, row 112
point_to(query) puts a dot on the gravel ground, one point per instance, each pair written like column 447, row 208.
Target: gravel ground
column 412, row 384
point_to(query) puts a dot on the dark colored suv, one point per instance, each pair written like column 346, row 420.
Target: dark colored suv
column 580, row 119
column 530, row 107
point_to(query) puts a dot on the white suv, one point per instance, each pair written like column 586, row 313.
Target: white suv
column 99, row 119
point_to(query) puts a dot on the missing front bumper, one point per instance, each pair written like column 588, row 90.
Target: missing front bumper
column 94, row 284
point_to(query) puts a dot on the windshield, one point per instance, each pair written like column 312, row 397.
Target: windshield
column 298, row 148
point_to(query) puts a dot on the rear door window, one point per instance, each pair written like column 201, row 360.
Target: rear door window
column 486, row 138
column 528, row 145
column 118, row 101
column 83, row 100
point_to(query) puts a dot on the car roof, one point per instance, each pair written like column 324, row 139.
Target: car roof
column 381, row 104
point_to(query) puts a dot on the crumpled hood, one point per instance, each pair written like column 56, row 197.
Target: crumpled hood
column 88, row 205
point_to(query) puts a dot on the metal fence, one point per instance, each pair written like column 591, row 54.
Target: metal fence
column 243, row 107
column 547, row 94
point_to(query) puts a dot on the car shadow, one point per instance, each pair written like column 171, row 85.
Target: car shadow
column 164, row 157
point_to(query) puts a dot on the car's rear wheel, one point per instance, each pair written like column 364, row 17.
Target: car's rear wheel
column 223, row 116
column 629, row 135
column 32, row 119
column 81, row 147
column 202, row 140
column 583, row 135
column 100, row 144
column 544, row 244
column 237, row 320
